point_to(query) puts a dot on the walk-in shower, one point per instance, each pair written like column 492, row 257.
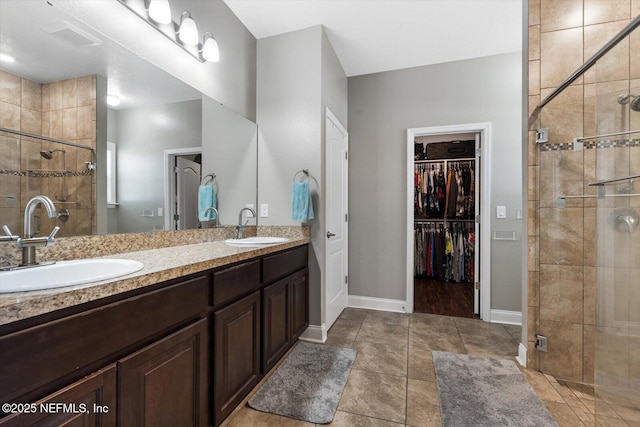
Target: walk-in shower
column 584, row 204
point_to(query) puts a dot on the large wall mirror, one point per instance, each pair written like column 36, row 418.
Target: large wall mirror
column 163, row 141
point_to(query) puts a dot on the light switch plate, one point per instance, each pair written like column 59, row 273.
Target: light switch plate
column 501, row 212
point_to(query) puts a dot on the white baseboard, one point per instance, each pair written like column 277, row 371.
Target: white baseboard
column 372, row 303
column 522, row 355
column 506, row 317
column 314, row 333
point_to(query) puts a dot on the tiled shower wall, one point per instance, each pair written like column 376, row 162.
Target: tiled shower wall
column 562, row 240
column 64, row 110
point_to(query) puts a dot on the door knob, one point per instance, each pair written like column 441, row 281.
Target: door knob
column 329, row 234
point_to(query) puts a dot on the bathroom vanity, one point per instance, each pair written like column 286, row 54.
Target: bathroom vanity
column 152, row 350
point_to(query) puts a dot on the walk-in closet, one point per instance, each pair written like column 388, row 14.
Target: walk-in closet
column 446, row 195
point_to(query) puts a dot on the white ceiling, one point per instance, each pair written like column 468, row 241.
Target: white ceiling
column 371, row 36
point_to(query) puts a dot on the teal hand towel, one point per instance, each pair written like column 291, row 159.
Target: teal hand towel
column 301, row 204
column 206, row 199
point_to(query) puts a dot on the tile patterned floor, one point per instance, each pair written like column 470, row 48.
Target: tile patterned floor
column 392, row 382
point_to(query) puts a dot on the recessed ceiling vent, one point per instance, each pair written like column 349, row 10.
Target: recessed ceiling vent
column 72, row 35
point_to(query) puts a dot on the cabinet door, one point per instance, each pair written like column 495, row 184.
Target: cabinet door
column 165, row 384
column 299, row 284
column 276, row 330
column 236, row 354
column 88, row 402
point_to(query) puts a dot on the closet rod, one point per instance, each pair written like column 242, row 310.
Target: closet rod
column 467, row 159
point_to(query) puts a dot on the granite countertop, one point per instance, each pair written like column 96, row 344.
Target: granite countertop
column 159, row 265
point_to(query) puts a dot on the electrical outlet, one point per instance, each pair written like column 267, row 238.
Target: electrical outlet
column 541, row 343
column 248, row 213
column 501, row 212
column 264, row 210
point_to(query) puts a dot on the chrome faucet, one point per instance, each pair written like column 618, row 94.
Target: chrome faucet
column 217, row 218
column 28, row 243
column 240, row 227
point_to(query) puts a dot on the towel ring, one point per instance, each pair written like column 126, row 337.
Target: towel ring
column 303, row 171
column 211, row 180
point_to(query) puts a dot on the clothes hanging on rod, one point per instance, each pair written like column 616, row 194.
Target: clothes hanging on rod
column 444, row 189
column 445, row 252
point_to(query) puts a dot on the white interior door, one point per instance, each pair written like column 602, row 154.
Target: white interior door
column 336, row 256
column 476, row 252
column 187, row 183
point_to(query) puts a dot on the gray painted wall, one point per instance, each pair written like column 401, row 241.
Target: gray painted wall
column 381, row 108
column 143, row 135
column 298, row 74
column 230, row 150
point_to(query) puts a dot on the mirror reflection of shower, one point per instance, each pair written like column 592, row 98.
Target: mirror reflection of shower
column 632, row 100
column 49, row 155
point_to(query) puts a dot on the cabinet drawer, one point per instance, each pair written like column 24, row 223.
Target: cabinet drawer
column 277, row 266
column 37, row 359
column 234, row 282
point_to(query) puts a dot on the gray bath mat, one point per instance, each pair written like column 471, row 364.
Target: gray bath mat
column 480, row 391
column 308, row 384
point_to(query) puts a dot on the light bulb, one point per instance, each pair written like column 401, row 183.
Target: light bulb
column 160, row 11
column 188, row 31
column 210, row 50
column 113, row 100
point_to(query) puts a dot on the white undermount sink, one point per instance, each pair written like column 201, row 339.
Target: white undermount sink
column 66, row 273
column 256, row 241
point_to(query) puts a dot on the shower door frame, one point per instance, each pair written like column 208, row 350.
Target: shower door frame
column 484, row 129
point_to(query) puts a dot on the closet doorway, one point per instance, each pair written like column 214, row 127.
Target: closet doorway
column 447, row 254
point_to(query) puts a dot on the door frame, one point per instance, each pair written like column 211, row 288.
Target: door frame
column 485, row 207
column 169, row 183
column 329, row 116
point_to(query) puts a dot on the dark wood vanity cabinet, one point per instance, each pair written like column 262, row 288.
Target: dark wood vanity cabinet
column 285, row 316
column 91, row 402
column 165, row 383
column 184, row 352
column 236, row 354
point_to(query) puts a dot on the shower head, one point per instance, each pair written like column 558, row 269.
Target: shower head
column 49, row 154
column 632, row 100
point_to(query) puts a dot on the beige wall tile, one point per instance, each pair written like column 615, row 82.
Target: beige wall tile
column 30, row 121
column 533, row 255
column 86, row 91
column 533, row 183
column 589, row 159
column 85, row 120
column 561, row 293
column 598, row 11
column 634, row 46
column 534, row 42
column 590, row 237
column 561, row 236
column 614, row 65
column 45, row 89
column 564, row 115
column 533, row 325
column 589, row 298
column 10, row 88
column 9, row 115
column 635, row 116
column 635, row 7
column 70, row 124
column 564, row 357
column 534, row 76
column 561, row 173
column 533, row 122
column 558, row 15
column 533, row 225
column 534, row 12
column 31, row 95
column 55, row 124
column 69, row 93
column 561, row 53
column 533, row 149
column 533, row 287
column 55, row 96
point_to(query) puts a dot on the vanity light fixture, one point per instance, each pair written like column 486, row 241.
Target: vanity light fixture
column 113, row 100
column 188, row 30
column 210, row 51
column 159, row 11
